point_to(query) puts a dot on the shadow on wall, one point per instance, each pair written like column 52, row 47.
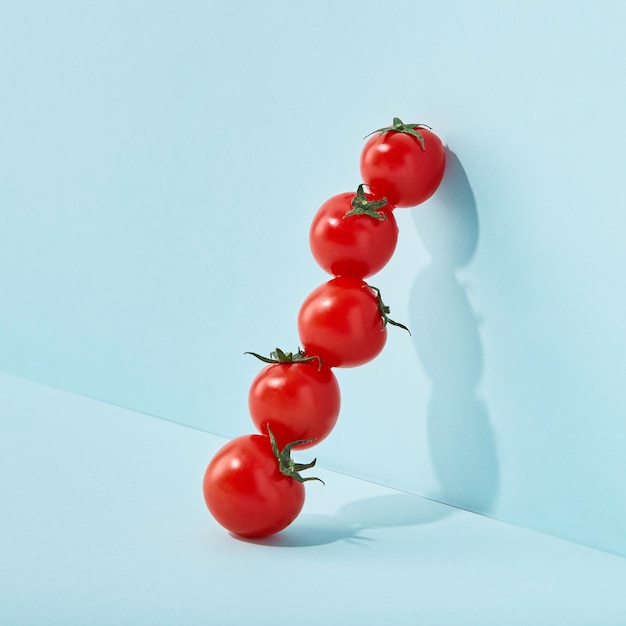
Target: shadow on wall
column 446, row 337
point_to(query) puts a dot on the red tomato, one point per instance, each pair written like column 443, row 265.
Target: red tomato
column 341, row 322
column 245, row 491
column 299, row 400
column 357, row 244
column 396, row 166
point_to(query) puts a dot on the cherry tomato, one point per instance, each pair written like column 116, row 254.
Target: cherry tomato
column 349, row 239
column 245, row 491
column 341, row 322
column 395, row 165
column 299, row 400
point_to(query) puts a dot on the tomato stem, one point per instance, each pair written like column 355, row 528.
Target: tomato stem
column 286, row 465
column 278, row 356
column 398, row 126
column 362, row 206
column 385, row 310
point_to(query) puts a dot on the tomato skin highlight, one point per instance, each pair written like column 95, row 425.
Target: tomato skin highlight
column 395, row 167
column 245, row 491
column 356, row 245
column 340, row 321
column 298, row 401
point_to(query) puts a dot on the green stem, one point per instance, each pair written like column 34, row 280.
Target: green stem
column 286, row 465
column 398, row 126
column 278, row 356
column 362, row 206
column 385, row 310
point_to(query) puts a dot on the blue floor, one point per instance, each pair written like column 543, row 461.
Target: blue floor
column 102, row 522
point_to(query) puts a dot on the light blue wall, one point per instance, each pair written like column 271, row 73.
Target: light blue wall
column 159, row 167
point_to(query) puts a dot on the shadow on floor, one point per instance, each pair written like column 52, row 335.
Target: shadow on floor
column 352, row 519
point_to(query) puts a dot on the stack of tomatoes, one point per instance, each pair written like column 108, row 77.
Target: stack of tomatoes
column 252, row 486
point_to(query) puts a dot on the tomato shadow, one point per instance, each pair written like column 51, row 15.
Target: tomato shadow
column 354, row 519
column 446, row 334
column 308, row 530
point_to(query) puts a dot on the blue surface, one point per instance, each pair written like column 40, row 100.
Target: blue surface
column 102, row 522
column 159, row 168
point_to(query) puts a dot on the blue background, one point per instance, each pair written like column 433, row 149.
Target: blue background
column 159, row 167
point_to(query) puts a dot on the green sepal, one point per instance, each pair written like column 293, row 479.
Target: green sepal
column 278, row 356
column 385, row 310
column 362, row 206
column 398, row 126
column 286, row 465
